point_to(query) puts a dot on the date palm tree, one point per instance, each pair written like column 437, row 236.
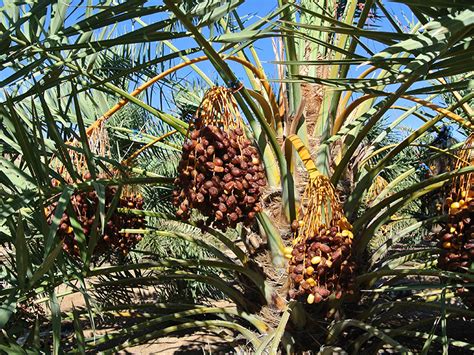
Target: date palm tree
column 67, row 68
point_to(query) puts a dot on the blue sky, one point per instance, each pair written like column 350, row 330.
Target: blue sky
column 255, row 9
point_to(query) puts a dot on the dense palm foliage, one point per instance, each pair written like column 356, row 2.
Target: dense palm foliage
column 382, row 109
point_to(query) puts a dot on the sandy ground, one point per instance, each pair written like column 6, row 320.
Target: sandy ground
column 198, row 343
column 195, row 343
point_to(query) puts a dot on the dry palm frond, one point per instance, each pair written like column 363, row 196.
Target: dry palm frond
column 375, row 189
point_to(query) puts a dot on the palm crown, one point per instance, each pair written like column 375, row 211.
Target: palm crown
column 95, row 102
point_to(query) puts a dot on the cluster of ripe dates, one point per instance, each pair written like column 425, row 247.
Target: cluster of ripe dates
column 220, row 175
column 85, row 205
column 320, row 265
column 457, row 238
